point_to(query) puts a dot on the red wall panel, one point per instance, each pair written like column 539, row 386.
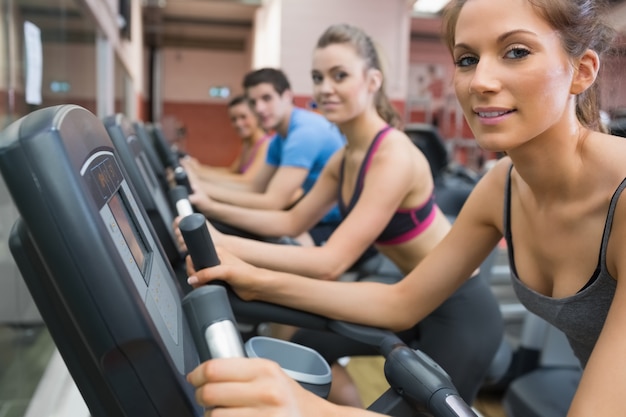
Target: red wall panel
column 208, row 135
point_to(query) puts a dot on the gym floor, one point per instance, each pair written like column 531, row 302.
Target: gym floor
column 367, row 372
column 24, row 355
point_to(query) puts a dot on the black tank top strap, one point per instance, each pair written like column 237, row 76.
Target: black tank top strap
column 340, row 203
column 507, row 221
column 609, row 223
column 507, row 206
column 361, row 176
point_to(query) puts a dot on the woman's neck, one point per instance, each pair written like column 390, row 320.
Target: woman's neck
column 553, row 165
column 361, row 130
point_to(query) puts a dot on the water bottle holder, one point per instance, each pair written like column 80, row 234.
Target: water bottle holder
column 301, row 363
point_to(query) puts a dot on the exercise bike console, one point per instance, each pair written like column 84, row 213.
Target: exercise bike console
column 93, row 263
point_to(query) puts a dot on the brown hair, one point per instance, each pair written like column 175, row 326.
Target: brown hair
column 364, row 47
column 238, row 100
column 580, row 28
column 273, row 76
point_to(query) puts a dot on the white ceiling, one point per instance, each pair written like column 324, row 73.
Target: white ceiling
column 209, row 24
column 226, row 23
column 217, row 24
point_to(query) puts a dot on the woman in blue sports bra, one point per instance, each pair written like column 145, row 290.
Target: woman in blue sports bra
column 525, row 77
column 384, row 188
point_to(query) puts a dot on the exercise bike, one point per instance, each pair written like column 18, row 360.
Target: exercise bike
column 97, row 272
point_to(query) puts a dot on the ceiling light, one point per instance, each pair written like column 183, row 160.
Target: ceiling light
column 429, row 6
column 153, row 3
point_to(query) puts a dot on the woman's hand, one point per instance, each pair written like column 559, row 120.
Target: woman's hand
column 199, row 197
column 190, row 163
column 216, row 235
column 252, row 387
column 243, row 278
column 178, row 234
column 201, row 200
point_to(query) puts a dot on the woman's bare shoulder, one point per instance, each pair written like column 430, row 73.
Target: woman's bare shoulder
column 405, row 149
column 500, row 168
column 490, row 190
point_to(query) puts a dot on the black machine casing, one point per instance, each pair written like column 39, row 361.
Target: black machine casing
column 95, row 268
column 146, row 139
column 102, row 282
column 134, row 156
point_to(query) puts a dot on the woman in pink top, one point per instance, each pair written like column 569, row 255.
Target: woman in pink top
column 254, row 147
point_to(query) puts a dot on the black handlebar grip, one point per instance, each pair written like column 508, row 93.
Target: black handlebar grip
column 212, row 323
column 178, row 192
column 424, row 383
column 181, row 178
column 198, row 241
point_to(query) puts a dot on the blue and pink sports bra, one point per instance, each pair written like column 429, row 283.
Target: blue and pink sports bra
column 405, row 223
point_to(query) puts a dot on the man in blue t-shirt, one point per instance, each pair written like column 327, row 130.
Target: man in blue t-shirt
column 303, row 143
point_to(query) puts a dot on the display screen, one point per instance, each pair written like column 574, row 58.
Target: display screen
column 129, row 230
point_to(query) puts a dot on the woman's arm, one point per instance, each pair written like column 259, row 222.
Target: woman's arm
column 204, row 171
column 276, row 195
column 399, row 306
column 273, row 223
column 232, row 174
column 211, row 178
column 601, row 388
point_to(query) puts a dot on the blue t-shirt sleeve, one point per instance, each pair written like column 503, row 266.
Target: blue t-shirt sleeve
column 274, row 150
column 302, row 148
